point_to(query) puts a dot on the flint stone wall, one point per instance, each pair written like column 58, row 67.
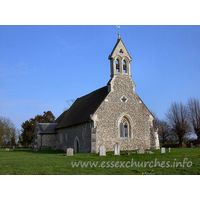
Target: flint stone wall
column 113, row 109
column 50, row 140
column 46, row 140
column 81, row 132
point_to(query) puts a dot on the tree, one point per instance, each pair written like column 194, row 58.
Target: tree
column 28, row 127
column 194, row 115
column 27, row 132
column 8, row 132
column 47, row 117
column 164, row 132
column 165, row 135
column 177, row 116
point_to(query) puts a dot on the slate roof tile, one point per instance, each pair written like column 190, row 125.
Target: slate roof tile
column 82, row 108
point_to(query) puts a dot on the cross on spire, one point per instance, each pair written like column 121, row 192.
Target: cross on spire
column 118, row 35
column 118, row 26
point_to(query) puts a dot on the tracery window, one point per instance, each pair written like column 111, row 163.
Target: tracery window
column 124, row 128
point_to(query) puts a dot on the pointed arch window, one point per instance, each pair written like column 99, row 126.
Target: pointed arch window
column 124, row 66
column 124, row 128
column 117, row 65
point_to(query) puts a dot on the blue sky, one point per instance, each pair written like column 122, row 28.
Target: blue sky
column 43, row 66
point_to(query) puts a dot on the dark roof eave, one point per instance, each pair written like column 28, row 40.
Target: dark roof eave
column 48, row 133
column 57, row 128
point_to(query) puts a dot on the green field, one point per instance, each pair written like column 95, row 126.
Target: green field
column 46, row 162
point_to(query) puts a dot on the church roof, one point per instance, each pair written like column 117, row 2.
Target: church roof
column 46, row 128
column 82, row 108
column 61, row 117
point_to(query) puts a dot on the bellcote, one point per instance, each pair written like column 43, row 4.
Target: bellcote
column 120, row 59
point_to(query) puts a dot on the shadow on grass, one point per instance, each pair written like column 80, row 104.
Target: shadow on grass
column 47, row 150
column 27, row 150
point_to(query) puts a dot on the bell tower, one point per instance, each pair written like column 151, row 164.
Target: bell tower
column 120, row 60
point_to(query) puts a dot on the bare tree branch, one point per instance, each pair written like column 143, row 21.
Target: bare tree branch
column 194, row 115
column 177, row 116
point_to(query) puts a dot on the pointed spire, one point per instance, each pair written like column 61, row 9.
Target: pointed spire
column 118, row 36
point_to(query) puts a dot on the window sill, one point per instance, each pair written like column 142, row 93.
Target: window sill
column 124, row 138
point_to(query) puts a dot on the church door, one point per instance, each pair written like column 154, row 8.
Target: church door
column 76, row 146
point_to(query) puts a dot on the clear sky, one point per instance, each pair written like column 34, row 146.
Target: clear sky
column 43, row 66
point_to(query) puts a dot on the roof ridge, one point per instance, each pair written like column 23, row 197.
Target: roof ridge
column 92, row 92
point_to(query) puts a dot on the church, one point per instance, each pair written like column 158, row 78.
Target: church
column 109, row 115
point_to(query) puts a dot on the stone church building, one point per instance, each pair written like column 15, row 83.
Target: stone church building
column 112, row 114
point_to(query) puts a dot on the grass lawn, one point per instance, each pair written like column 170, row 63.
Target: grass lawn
column 24, row 161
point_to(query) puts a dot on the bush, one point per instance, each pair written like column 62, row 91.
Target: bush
column 171, row 145
column 194, row 142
